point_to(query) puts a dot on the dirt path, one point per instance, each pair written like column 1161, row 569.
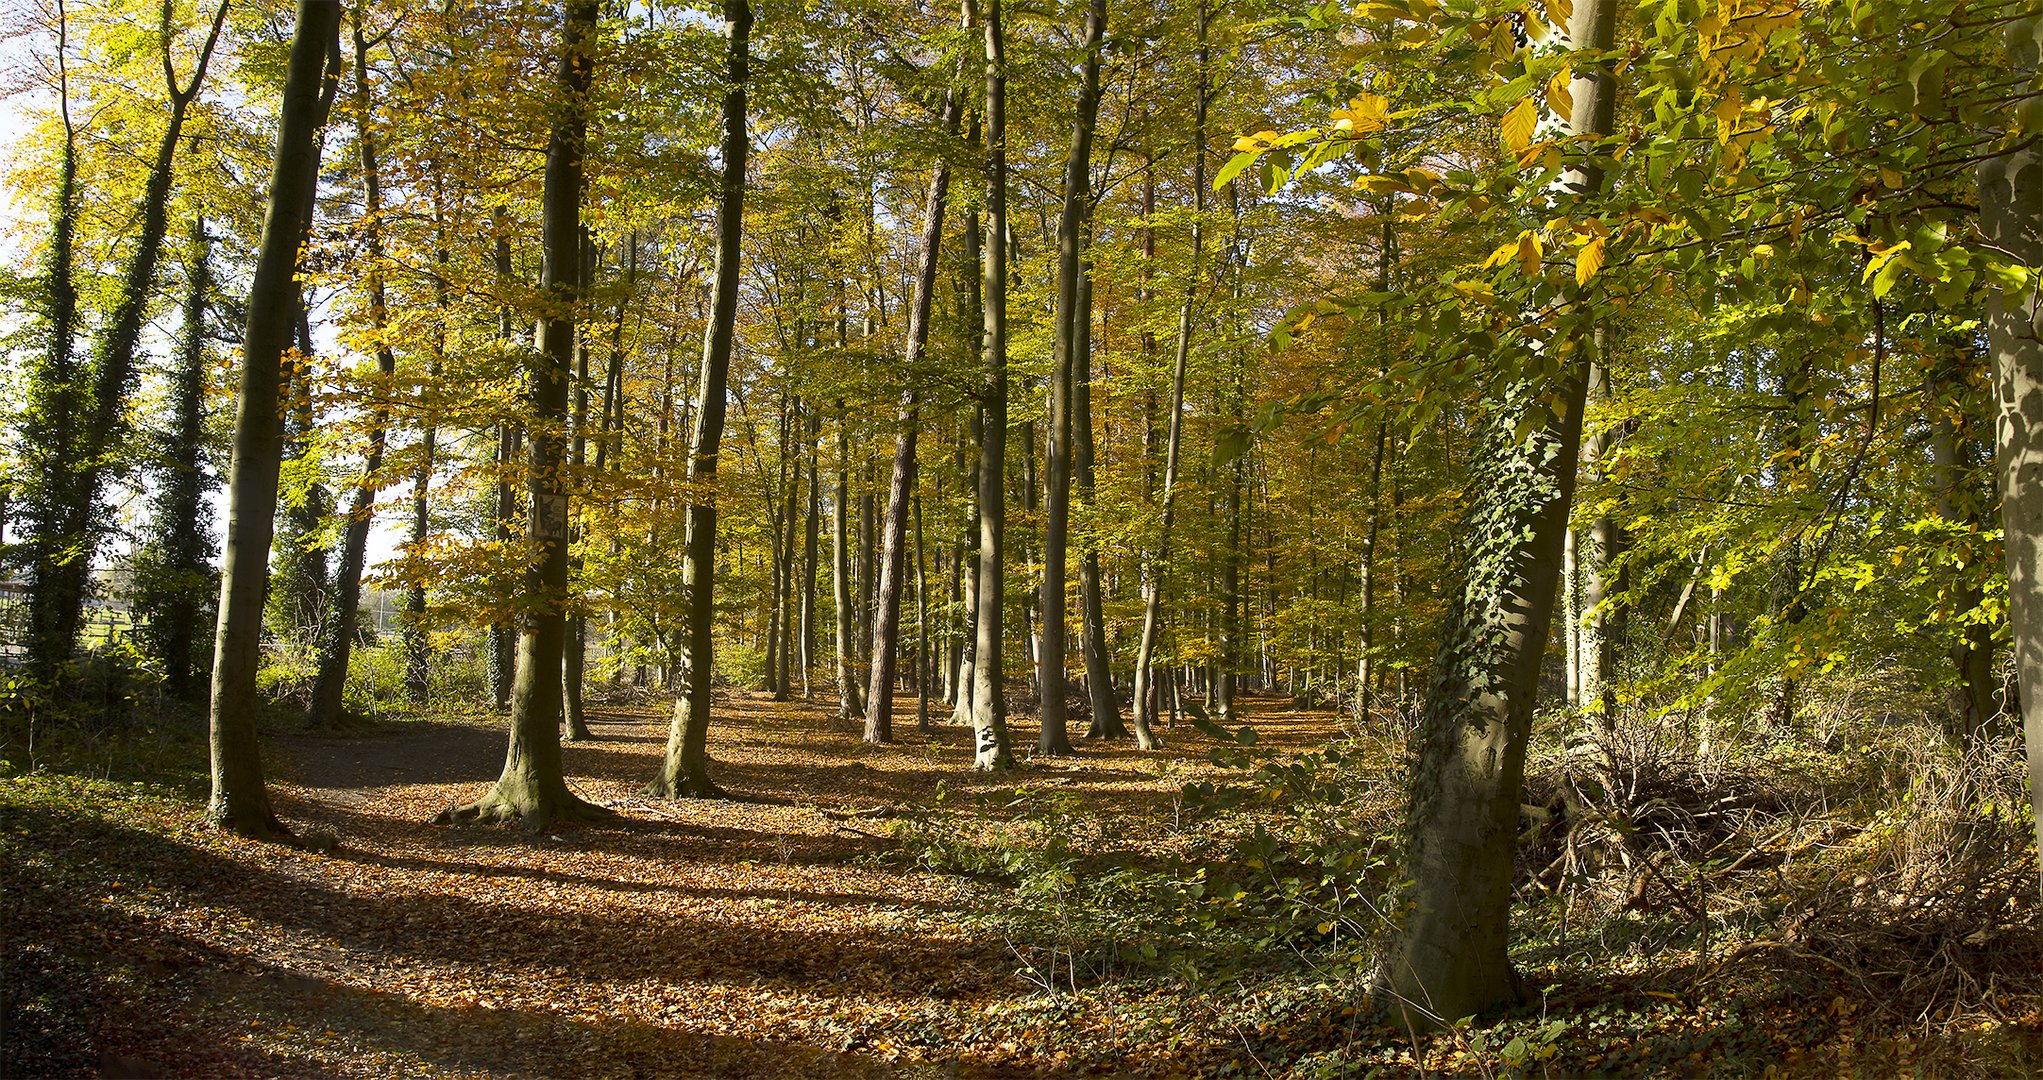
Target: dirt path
column 768, row 935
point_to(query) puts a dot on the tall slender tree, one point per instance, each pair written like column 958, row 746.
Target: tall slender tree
column 532, row 788
column 879, row 713
column 1072, row 231
column 989, row 693
column 240, row 802
column 685, row 769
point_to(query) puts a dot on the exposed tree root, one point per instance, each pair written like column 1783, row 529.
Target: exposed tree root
column 685, row 787
column 535, row 813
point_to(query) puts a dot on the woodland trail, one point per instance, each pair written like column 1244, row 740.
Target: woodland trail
column 776, row 933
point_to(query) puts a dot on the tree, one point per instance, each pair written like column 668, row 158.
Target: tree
column 887, row 609
column 340, row 630
column 78, row 472
column 174, row 566
column 2011, row 216
column 685, row 771
column 1450, row 959
column 1072, row 231
column 532, row 788
column 989, row 694
column 240, row 802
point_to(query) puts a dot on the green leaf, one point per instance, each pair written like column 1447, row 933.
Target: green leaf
column 1234, row 167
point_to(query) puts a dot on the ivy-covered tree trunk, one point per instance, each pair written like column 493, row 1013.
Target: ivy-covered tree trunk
column 685, row 771
column 2011, row 216
column 1072, row 227
column 532, row 788
column 240, row 802
column 50, row 424
column 989, row 697
column 1451, row 958
column 174, row 567
column 340, row 626
column 879, row 713
column 61, row 582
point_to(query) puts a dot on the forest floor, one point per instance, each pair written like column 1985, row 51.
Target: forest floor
column 768, row 934
column 851, row 911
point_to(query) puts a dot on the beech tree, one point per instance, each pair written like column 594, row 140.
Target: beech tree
column 240, row 801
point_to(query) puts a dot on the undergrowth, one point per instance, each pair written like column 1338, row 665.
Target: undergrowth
column 1867, row 902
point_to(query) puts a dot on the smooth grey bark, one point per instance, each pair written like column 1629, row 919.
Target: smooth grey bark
column 1157, row 561
column 685, row 771
column 61, row 582
column 879, row 713
column 502, row 658
column 1099, row 663
column 1072, row 228
column 533, row 787
column 2011, row 217
column 972, row 317
column 811, row 525
column 989, row 697
column 849, row 709
column 1450, row 958
column 240, row 802
column 335, row 651
column 1595, row 634
column 418, row 642
column 575, row 643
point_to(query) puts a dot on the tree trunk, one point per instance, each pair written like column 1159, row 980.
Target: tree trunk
column 1057, row 465
column 1450, row 959
column 2011, row 216
column 1158, row 560
column 171, row 593
column 340, row 629
column 810, row 526
column 1099, row 662
column 989, row 697
column 879, row 713
column 61, row 584
column 842, row 586
column 418, row 641
column 240, row 802
column 686, row 769
column 1954, row 462
column 503, row 639
column 532, row 788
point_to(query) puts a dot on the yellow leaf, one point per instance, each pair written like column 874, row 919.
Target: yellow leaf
column 1380, row 185
column 1529, row 251
column 1588, row 261
column 1364, row 114
column 1518, row 124
column 1258, row 141
column 1326, row 928
column 1558, row 97
column 1558, row 12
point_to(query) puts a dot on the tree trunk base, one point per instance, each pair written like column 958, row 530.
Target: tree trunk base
column 536, row 813
column 578, row 731
column 685, row 787
column 251, row 825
